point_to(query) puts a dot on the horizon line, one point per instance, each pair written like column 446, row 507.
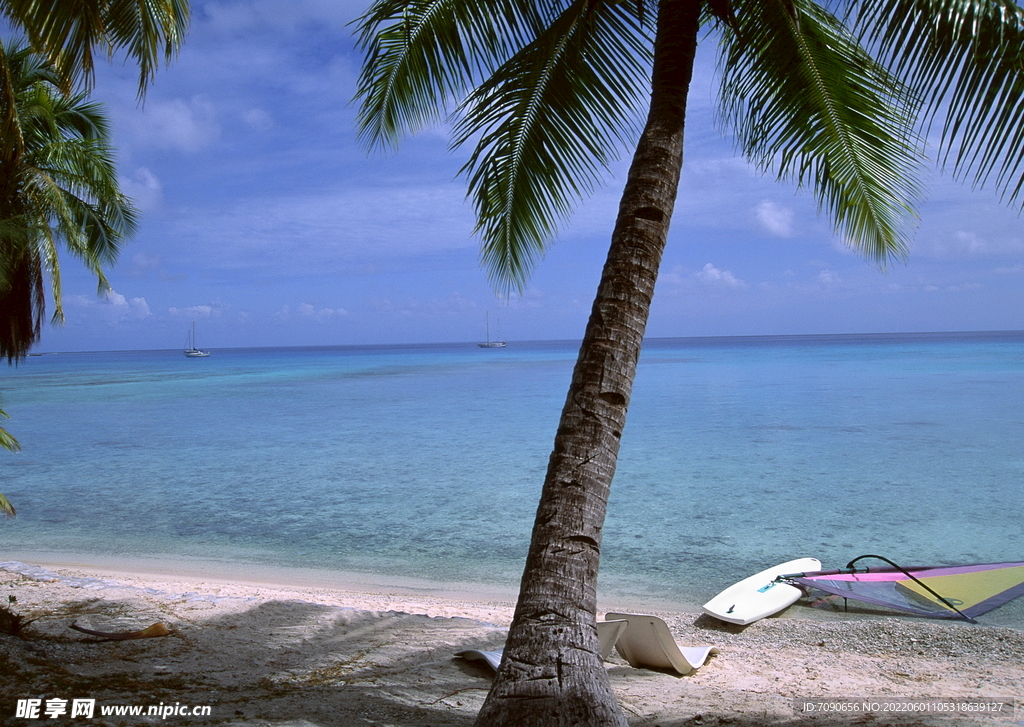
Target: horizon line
column 564, row 341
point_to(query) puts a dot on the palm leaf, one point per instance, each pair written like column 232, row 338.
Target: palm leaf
column 556, row 90
column 807, row 101
column 10, row 443
column 966, row 59
column 7, row 441
column 547, row 122
column 69, row 31
column 6, row 508
column 421, row 56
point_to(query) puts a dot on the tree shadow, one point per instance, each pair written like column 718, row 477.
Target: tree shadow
column 276, row 663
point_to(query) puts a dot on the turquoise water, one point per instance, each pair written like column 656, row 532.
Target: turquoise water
column 427, row 461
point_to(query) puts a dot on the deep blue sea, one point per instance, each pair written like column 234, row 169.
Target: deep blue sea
column 427, row 461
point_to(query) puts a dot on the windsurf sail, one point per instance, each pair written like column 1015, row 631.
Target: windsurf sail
column 948, row 591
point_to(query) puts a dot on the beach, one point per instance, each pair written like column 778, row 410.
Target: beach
column 264, row 654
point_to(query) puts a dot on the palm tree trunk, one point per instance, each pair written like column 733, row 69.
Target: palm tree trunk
column 552, row 675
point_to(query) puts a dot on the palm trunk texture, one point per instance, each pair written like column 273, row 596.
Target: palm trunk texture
column 552, row 674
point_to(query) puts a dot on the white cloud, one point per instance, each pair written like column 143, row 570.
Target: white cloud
column 970, row 244
column 144, row 188
column 258, row 119
column 321, row 314
column 973, row 244
column 713, row 277
column 1011, row 270
column 679, row 279
column 530, row 298
column 676, row 276
column 309, row 311
column 230, row 19
column 453, row 303
column 964, row 287
column 142, row 263
column 176, row 124
column 112, row 306
column 195, row 311
column 332, row 230
column 775, row 219
column 829, row 277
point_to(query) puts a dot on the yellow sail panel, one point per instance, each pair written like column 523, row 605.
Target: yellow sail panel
column 964, row 590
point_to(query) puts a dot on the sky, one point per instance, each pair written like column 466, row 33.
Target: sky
column 265, row 221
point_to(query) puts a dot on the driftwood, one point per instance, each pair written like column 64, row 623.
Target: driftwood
column 157, row 629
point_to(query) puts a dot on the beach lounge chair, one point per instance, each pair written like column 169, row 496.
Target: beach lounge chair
column 608, row 632
column 493, row 658
column 647, row 643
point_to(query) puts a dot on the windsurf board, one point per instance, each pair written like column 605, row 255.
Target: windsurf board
column 760, row 595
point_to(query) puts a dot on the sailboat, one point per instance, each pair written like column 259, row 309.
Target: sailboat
column 489, row 343
column 190, row 345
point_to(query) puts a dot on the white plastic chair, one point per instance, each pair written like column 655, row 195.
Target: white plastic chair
column 647, row 642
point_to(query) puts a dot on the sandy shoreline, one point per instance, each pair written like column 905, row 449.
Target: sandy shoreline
column 262, row 654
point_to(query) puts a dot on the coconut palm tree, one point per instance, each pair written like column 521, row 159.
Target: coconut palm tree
column 68, row 35
column 58, row 184
column 546, row 91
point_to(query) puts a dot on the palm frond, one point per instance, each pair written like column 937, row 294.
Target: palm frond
column 6, row 508
column 69, row 33
column 79, row 117
column 807, row 101
column 965, row 58
column 421, row 56
column 547, row 123
column 10, row 443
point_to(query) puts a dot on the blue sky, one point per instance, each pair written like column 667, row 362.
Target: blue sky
column 266, row 222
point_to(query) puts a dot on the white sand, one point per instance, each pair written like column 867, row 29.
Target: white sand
column 337, row 652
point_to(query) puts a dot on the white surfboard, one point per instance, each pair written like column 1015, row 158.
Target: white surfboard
column 759, row 595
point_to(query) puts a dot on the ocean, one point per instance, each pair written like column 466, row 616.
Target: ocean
column 427, row 461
